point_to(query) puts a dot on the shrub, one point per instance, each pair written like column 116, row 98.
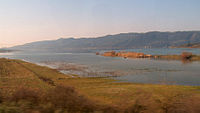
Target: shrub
column 63, row 97
column 26, row 94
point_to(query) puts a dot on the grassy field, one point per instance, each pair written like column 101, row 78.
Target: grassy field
column 29, row 88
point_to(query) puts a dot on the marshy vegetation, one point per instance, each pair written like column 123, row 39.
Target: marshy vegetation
column 29, row 88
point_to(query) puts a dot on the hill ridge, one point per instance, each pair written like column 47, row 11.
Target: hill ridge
column 153, row 39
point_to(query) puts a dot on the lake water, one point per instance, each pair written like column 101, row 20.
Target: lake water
column 127, row 70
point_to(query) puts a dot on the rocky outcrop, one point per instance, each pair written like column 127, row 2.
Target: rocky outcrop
column 110, row 53
column 126, row 54
column 184, row 56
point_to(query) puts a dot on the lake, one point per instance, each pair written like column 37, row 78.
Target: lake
column 126, row 70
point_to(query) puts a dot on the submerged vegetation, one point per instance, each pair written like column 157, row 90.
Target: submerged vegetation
column 29, row 88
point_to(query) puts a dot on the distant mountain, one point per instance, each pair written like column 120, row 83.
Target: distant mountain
column 5, row 50
column 118, row 41
column 195, row 45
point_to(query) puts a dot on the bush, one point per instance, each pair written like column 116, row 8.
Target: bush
column 59, row 99
column 63, row 97
column 26, row 94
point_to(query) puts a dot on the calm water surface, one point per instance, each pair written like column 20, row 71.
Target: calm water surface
column 134, row 70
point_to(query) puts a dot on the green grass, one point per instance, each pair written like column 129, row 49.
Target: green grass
column 121, row 97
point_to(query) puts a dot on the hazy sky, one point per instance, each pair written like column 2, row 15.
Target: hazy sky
column 23, row 21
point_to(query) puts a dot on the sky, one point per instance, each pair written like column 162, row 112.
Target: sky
column 23, row 21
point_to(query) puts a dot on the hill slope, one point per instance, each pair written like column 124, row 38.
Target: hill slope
column 119, row 41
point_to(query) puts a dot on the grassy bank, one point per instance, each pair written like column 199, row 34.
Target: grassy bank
column 26, row 87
